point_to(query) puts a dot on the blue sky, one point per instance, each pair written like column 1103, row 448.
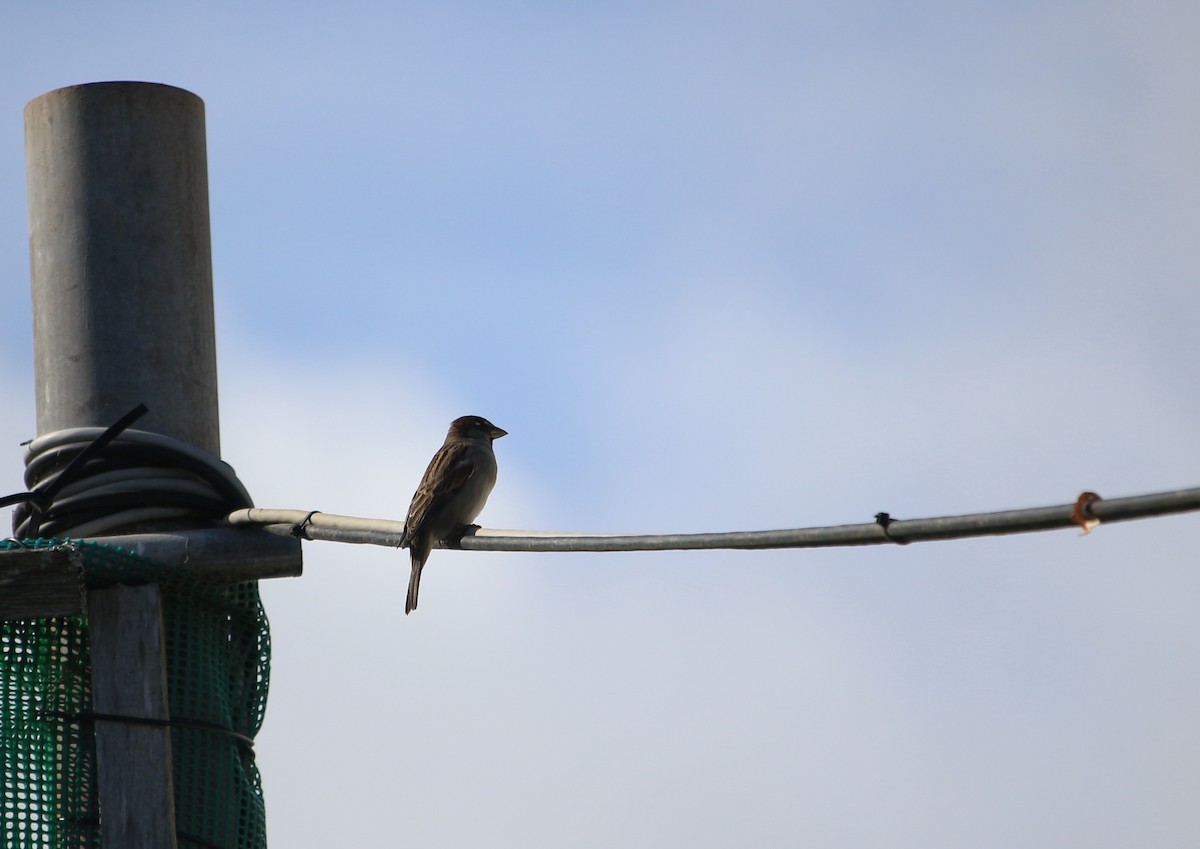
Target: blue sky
column 714, row 266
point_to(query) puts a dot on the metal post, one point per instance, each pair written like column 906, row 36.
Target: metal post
column 120, row 259
column 122, row 308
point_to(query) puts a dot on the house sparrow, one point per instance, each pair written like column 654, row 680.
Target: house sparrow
column 455, row 487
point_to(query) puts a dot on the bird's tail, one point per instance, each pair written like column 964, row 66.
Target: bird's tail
column 414, row 585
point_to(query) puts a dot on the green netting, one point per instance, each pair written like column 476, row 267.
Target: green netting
column 218, row 661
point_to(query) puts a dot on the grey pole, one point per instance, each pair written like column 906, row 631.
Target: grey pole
column 122, row 312
column 120, row 259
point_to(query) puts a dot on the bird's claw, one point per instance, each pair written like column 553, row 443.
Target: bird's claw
column 465, row 531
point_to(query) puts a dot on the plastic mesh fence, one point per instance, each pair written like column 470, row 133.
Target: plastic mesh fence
column 218, row 662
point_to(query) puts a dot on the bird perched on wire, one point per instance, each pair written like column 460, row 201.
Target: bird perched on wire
column 455, row 487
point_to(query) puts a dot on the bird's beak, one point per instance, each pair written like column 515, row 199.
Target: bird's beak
column 496, row 432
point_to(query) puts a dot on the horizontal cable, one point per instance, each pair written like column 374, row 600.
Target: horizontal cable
column 350, row 529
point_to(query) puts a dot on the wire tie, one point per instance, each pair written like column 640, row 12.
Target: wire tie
column 884, row 520
column 299, row 529
column 94, row 716
column 20, row 497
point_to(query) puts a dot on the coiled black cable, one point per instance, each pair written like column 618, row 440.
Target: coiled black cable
column 135, row 477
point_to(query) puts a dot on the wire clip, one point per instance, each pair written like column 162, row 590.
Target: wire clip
column 884, row 520
column 1082, row 515
column 300, row 529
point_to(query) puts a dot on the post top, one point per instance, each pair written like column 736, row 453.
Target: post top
column 114, row 87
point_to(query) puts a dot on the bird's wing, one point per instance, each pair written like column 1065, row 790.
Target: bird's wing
column 449, row 470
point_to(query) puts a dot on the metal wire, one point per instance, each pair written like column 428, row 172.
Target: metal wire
column 350, row 529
